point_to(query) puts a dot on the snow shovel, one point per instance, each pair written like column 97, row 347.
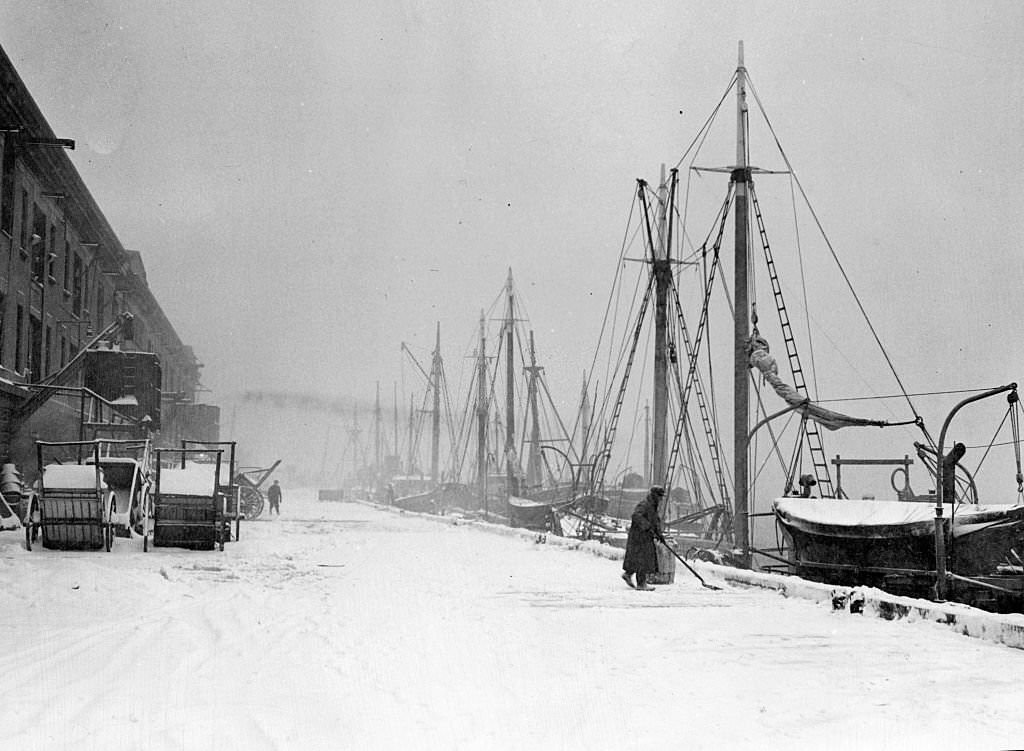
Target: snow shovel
column 688, row 566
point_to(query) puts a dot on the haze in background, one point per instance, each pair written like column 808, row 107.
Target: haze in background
column 310, row 188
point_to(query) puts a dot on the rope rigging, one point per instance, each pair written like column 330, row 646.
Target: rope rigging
column 835, row 257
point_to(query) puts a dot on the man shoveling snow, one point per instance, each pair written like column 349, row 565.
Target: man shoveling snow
column 644, row 529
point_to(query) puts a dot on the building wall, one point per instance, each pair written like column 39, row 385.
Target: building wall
column 64, row 274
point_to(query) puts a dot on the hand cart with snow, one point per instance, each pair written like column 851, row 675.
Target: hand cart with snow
column 127, row 471
column 226, row 485
column 188, row 509
column 72, row 507
column 249, row 480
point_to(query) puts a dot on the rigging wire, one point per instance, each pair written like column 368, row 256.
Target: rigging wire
column 803, row 286
column 949, row 392
column 835, row 257
column 702, row 134
column 1010, row 412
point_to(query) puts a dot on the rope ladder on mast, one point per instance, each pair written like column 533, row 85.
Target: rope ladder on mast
column 705, row 412
column 691, row 375
column 810, row 428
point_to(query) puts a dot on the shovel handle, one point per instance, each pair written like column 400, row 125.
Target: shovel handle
column 688, row 566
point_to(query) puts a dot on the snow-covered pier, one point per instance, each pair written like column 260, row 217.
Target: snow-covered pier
column 345, row 626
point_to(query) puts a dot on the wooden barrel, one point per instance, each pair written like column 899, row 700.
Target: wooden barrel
column 666, row 567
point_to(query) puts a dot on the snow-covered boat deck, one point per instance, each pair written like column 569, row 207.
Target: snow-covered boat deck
column 340, row 625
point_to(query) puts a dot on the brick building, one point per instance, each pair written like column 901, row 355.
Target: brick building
column 64, row 278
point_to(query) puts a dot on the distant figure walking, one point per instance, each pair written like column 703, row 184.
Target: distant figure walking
column 644, row 528
column 274, row 496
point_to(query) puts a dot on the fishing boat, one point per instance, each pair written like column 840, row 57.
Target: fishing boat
column 945, row 544
column 514, row 481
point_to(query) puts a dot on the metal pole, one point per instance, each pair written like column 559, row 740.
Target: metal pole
column 481, row 416
column 662, row 278
column 435, row 431
column 510, row 394
column 940, row 537
column 741, row 331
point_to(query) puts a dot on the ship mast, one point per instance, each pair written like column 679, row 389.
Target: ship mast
column 377, row 452
column 741, row 331
column 662, row 270
column 435, row 382
column 647, row 443
column 511, row 483
column 481, row 416
column 395, row 414
column 533, row 469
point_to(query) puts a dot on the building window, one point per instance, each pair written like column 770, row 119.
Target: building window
column 3, row 320
column 19, row 338
column 26, row 221
column 38, row 243
column 100, row 304
column 67, row 267
column 51, row 255
column 48, row 351
column 35, row 349
column 76, row 291
column 63, row 350
column 7, row 188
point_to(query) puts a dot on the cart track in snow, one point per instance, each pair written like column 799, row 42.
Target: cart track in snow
column 374, row 630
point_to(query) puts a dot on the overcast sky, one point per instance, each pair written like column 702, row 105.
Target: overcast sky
column 312, row 184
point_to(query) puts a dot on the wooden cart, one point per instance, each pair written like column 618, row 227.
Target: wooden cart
column 188, row 509
column 127, row 470
column 249, row 480
column 226, row 484
column 72, row 507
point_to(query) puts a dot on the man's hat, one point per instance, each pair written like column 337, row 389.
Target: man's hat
column 657, row 490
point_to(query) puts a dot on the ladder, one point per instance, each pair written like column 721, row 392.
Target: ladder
column 705, row 413
column 613, row 424
column 691, row 375
column 821, row 471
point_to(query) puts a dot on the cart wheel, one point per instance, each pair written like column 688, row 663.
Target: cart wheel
column 135, row 517
column 252, row 502
column 31, row 525
column 108, row 535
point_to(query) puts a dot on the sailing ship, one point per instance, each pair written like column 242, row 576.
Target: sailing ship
column 943, row 544
column 515, row 481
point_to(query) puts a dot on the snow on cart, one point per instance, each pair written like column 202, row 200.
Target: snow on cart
column 73, row 505
column 188, row 509
column 127, row 472
column 227, row 484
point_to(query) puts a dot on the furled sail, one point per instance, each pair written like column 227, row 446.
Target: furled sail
column 761, row 359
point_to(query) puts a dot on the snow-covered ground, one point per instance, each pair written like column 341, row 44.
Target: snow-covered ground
column 341, row 626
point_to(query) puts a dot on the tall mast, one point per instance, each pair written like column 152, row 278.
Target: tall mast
column 647, row 443
column 662, row 279
column 533, row 470
column 586, row 418
column 377, row 458
column 435, row 433
column 481, row 415
column 411, row 462
column 511, row 483
column 741, row 362
column 395, row 412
